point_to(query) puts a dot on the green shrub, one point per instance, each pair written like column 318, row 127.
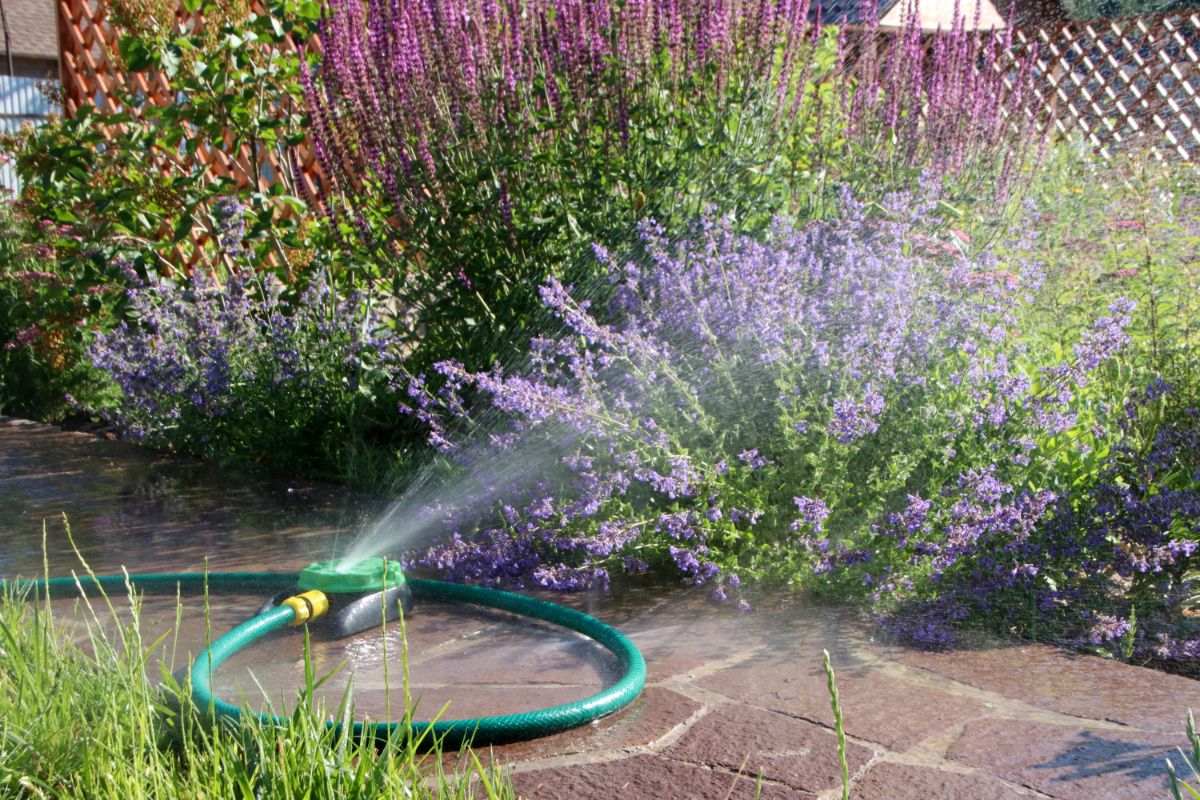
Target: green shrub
column 45, row 312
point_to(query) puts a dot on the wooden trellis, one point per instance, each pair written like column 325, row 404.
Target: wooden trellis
column 93, row 75
column 1123, row 84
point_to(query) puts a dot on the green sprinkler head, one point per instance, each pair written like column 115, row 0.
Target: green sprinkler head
column 342, row 576
column 361, row 593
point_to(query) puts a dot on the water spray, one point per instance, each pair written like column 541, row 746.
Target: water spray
column 347, row 596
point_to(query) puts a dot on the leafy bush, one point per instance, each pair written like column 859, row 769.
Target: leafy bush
column 1116, row 9
column 44, row 316
column 234, row 86
column 1125, row 226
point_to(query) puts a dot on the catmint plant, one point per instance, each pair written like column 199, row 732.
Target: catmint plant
column 236, row 370
column 727, row 405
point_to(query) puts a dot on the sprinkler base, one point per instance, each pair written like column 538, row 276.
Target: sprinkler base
column 351, row 613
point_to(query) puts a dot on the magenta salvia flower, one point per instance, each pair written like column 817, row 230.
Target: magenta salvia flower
column 946, row 102
column 399, row 83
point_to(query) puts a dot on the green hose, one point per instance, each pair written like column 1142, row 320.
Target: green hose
column 478, row 731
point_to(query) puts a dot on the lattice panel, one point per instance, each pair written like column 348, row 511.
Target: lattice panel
column 1123, row 84
column 93, row 75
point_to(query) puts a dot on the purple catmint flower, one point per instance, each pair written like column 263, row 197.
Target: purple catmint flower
column 752, row 459
column 853, row 420
column 229, row 217
column 685, row 559
column 813, row 513
column 1173, row 649
column 1106, row 337
column 205, row 352
column 1108, row 628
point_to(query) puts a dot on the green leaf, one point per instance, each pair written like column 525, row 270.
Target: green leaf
column 948, row 209
column 136, row 53
column 309, row 10
column 170, row 60
column 184, row 226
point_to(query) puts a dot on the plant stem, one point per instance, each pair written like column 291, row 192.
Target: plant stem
column 837, row 726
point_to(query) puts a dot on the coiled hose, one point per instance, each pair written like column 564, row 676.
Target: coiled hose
column 478, row 731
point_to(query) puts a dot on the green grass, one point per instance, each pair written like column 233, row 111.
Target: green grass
column 80, row 717
column 1181, row 789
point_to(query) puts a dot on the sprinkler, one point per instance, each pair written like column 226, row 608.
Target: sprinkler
column 356, row 596
column 360, row 594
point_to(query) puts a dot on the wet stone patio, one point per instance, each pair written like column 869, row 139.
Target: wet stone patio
column 733, row 704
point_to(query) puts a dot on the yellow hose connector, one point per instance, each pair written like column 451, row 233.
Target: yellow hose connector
column 307, row 605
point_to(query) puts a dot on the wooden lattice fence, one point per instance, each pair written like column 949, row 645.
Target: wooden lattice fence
column 1131, row 83
column 1123, row 84
column 92, row 73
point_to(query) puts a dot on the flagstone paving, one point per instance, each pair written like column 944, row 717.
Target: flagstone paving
column 736, row 706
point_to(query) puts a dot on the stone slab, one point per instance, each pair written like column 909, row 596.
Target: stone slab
column 870, row 698
column 892, row 781
column 645, row 777
column 781, row 749
column 1067, row 762
column 653, row 716
column 1069, row 682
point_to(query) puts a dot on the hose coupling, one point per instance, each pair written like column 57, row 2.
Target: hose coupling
column 307, row 606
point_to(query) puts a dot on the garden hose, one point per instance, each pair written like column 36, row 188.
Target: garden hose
column 478, row 731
